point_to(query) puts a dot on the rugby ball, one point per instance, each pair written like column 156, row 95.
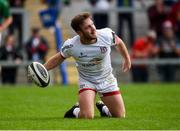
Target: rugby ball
column 38, row 74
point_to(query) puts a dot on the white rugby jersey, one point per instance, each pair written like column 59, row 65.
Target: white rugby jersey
column 93, row 61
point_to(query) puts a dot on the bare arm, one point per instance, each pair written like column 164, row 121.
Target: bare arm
column 121, row 48
column 6, row 23
column 54, row 61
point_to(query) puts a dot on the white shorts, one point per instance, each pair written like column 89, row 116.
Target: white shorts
column 108, row 87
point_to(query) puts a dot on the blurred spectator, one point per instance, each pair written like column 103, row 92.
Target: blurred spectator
column 5, row 16
column 37, row 46
column 169, row 47
column 17, row 20
column 17, row 3
column 174, row 11
column 169, row 3
column 177, row 24
column 142, row 49
column 8, row 52
column 56, row 4
column 126, row 17
column 66, row 2
column 175, row 18
column 53, row 4
column 101, row 18
column 157, row 14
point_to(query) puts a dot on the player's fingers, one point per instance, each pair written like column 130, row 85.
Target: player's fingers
column 125, row 68
column 29, row 77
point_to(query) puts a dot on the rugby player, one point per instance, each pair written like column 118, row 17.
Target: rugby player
column 91, row 50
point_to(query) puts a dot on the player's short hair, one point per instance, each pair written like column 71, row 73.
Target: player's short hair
column 78, row 20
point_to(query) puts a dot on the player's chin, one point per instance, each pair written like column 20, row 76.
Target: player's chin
column 93, row 36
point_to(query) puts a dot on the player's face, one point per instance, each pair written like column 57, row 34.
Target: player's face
column 88, row 29
column 10, row 41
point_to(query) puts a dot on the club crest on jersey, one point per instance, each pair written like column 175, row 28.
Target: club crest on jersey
column 82, row 55
column 103, row 49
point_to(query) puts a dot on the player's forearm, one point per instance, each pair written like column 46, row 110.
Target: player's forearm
column 54, row 61
column 6, row 23
column 123, row 50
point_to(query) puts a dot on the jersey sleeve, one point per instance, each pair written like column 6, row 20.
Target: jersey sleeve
column 109, row 36
column 66, row 49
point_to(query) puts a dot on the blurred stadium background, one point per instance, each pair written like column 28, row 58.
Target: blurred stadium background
column 30, row 13
column 151, row 105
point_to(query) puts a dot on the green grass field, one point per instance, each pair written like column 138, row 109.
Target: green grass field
column 148, row 106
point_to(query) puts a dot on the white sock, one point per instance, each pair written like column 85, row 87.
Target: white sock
column 76, row 111
column 106, row 111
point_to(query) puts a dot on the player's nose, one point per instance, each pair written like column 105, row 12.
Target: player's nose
column 93, row 29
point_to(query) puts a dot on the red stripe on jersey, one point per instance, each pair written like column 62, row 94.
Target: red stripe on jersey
column 85, row 89
column 111, row 93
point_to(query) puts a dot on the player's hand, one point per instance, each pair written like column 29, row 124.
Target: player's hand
column 126, row 65
column 29, row 77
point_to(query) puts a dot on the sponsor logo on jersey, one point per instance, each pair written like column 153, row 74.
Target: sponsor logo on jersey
column 93, row 62
column 82, row 55
column 103, row 49
column 88, row 65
